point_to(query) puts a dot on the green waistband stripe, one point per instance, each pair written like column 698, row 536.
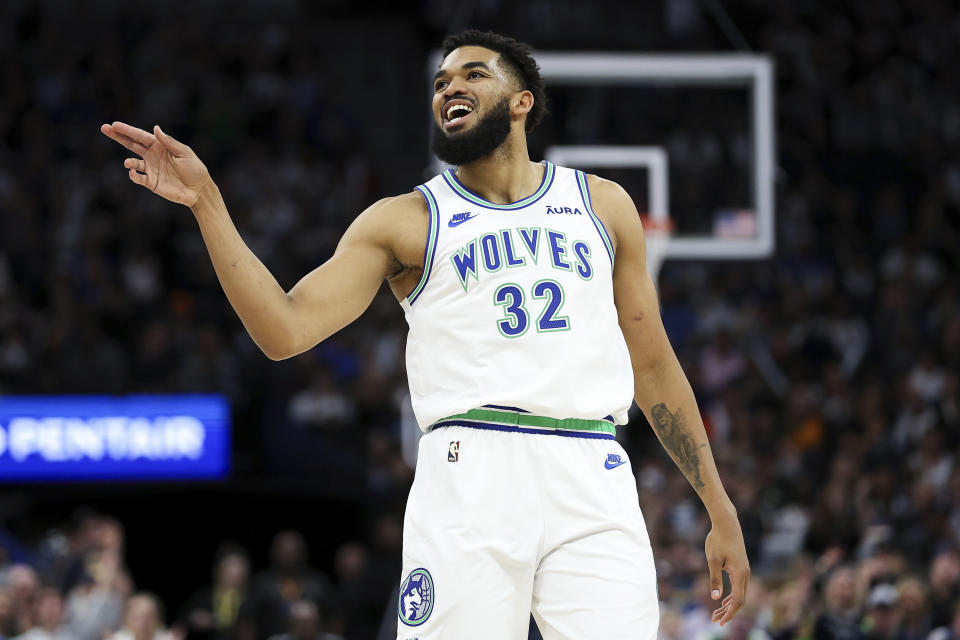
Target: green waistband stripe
column 539, row 422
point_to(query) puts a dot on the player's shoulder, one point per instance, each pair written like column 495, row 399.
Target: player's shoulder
column 607, row 193
column 615, row 208
column 398, row 224
column 405, row 204
column 406, row 209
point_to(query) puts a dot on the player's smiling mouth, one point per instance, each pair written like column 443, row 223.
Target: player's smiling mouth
column 456, row 113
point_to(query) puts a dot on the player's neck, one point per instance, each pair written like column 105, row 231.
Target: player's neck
column 504, row 176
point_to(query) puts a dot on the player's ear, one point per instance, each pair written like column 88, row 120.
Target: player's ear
column 521, row 103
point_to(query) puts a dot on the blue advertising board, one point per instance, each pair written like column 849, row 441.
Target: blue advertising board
column 148, row 437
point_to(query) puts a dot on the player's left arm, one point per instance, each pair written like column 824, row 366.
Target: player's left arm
column 663, row 393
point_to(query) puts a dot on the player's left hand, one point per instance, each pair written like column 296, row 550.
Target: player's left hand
column 726, row 552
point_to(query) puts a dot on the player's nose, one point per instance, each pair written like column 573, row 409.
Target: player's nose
column 457, row 86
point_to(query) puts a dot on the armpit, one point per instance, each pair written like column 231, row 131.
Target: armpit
column 398, row 269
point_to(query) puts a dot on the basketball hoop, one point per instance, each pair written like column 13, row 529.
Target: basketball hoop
column 657, row 232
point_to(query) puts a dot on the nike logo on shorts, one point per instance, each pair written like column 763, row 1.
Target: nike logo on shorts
column 613, row 461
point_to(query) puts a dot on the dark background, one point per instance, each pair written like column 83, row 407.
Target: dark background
column 827, row 374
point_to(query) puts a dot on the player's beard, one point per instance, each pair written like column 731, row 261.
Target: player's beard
column 464, row 147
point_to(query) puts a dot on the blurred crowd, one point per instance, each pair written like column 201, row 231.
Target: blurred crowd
column 827, row 375
column 76, row 585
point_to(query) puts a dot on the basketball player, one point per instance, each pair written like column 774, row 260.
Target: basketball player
column 533, row 324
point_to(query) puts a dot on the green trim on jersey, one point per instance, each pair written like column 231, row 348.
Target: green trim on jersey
column 466, row 194
column 585, row 194
column 433, row 230
column 529, row 420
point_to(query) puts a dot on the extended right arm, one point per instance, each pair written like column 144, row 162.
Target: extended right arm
column 282, row 323
column 327, row 299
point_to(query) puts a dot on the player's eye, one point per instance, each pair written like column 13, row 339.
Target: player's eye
column 440, row 85
column 474, row 74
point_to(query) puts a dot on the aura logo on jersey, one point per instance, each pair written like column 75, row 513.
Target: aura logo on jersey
column 558, row 210
column 516, row 248
column 415, row 603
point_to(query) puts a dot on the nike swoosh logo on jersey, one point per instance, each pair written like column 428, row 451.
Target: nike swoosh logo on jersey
column 460, row 218
column 613, row 461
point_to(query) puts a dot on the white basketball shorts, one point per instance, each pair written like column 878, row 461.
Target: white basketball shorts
column 504, row 520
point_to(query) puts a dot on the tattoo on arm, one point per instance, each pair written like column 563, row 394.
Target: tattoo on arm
column 673, row 433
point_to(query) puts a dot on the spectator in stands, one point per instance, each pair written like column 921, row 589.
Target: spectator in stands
column 266, row 611
column 24, row 586
column 789, row 614
column 7, row 612
column 350, row 564
column 670, row 623
column 696, row 615
column 950, row 631
column 944, row 586
column 98, row 551
column 323, row 405
column 82, row 539
column 841, row 611
column 305, row 624
column 211, row 613
column 95, row 605
column 143, row 619
column 881, row 620
column 366, row 579
column 913, row 609
column 48, row 618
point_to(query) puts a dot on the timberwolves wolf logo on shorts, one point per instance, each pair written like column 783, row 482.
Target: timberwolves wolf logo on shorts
column 416, row 598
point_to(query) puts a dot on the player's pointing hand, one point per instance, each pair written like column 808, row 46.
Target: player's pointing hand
column 726, row 553
column 167, row 167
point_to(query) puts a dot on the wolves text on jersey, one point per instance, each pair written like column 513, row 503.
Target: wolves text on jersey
column 512, row 248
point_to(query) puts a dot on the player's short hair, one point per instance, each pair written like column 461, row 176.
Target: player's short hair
column 516, row 56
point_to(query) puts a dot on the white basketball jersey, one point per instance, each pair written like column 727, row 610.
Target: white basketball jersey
column 515, row 307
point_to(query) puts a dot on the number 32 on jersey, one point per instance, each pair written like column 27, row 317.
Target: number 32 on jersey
column 516, row 320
